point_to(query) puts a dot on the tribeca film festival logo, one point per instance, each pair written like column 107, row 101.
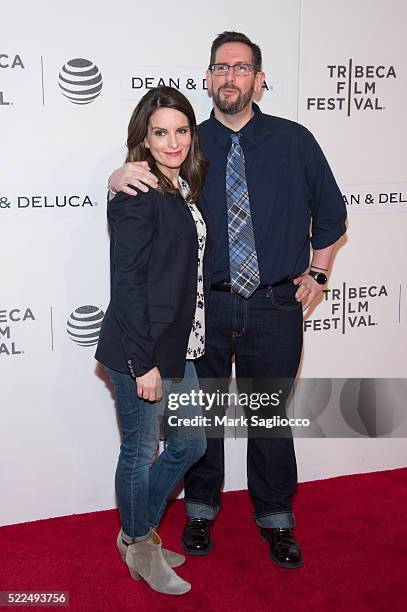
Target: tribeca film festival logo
column 80, row 81
column 8, row 320
column 354, row 88
column 83, row 325
column 349, row 308
column 25, row 202
column 11, row 62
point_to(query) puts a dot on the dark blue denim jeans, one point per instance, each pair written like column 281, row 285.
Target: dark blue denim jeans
column 264, row 333
column 143, row 482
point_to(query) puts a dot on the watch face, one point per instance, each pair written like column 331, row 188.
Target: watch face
column 321, row 278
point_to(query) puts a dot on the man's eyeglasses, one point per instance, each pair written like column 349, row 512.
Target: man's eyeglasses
column 238, row 69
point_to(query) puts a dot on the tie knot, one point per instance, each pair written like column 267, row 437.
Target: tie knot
column 235, row 138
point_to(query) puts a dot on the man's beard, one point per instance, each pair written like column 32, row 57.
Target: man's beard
column 231, row 108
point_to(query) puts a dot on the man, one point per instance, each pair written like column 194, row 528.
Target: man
column 267, row 184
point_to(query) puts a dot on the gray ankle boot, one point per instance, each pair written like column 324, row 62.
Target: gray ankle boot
column 145, row 559
column 173, row 559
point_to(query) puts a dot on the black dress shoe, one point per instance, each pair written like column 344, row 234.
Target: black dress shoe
column 284, row 549
column 196, row 537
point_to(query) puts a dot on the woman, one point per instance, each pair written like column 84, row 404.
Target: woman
column 154, row 325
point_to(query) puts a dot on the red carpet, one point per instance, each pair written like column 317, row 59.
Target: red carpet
column 352, row 529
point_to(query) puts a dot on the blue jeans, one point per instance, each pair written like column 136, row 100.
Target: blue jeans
column 143, row 483
column 264, row 333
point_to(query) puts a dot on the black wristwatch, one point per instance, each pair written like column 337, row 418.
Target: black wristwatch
column 320, row 277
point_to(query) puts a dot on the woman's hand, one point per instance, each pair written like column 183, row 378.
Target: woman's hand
column 149, row 386
column 132, row 173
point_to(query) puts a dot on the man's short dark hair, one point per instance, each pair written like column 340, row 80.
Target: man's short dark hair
column 231, row 37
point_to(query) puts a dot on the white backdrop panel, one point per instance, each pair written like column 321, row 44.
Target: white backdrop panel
column 58, row 443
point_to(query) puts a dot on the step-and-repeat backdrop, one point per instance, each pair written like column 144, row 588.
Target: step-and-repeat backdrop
column 337, row 67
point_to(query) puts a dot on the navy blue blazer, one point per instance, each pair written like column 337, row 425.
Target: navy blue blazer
column 153, row 274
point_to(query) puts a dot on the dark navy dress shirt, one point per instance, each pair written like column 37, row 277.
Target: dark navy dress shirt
column 294, row 198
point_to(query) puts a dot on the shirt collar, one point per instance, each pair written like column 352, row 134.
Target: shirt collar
column 250, row 130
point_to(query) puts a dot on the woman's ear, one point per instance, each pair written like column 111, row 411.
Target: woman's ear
column 146, row 145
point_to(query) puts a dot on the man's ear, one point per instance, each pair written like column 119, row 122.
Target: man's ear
column 259, row 81
column 208, row 75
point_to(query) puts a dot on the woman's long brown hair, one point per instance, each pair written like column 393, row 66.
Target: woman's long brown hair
column 194, row 168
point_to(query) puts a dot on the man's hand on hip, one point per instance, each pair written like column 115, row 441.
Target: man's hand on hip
column 308, row 289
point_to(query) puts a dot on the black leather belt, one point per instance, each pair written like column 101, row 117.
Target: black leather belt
column 226, row 287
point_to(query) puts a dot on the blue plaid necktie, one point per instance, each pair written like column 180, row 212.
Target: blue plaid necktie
column 244, row 268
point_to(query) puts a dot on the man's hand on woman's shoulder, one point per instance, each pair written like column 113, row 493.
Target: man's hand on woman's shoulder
column 132, row 174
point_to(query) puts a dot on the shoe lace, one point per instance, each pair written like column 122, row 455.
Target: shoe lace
column 197, row 525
